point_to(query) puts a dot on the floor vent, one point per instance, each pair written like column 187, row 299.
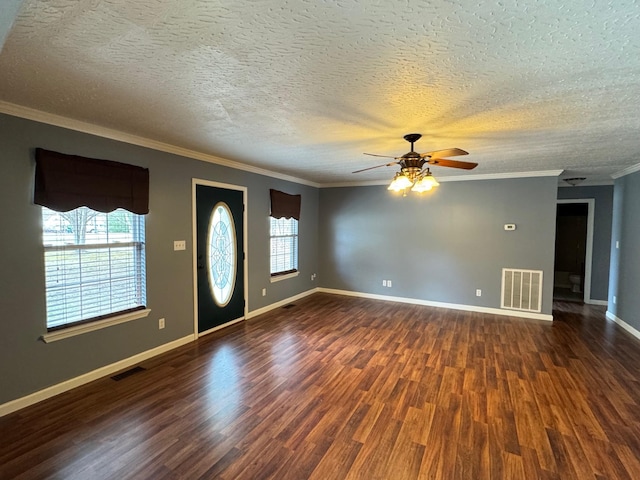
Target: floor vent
column 128, row 373
column 291, row 305
column 522, row 289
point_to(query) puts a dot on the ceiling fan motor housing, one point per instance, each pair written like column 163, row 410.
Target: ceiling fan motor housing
column 411, row 165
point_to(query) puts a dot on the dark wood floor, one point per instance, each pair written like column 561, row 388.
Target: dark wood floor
column 347, row 388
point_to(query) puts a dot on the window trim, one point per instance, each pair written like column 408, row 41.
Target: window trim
column 276, row 277
column 79, row 329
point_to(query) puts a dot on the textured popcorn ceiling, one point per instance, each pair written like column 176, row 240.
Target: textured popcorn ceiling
column 305, row 87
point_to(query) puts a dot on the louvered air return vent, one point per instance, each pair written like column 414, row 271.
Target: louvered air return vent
column 522, row 289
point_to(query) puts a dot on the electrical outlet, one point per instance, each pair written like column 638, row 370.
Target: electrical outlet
column 478, row 292
column 617, row 244
column 264, row 292
column 389, row 283
column 384, row 283
column 614, row 299
column 161, row 324
column 179, row 245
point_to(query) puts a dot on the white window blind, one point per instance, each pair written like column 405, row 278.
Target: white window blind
column 284, row 245
column 94, row 264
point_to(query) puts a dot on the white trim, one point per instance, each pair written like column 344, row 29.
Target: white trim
column 92, row 129
column 623, row 324
column 454, row 306
column 626, row 171
column 56, row 335
column 194, row 243
column 603, row 303
column 502, row 176
column 278, row 278
column 588, row 255
column 281, row 303
column 220, row 327
column 460, row 178
column 83, row 379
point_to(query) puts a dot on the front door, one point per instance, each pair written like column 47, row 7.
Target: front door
column 219, row 256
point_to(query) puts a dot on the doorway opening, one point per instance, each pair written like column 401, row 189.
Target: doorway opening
column 573, row 250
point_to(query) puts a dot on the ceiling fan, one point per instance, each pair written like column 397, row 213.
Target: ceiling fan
column 411, row 166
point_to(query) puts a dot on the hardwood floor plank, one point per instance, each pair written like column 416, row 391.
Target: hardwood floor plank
column 343, row 387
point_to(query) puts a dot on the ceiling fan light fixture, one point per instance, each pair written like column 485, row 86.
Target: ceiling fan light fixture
column 421, row 186
column 425, row 183
column 400, row 182
column 575, row 180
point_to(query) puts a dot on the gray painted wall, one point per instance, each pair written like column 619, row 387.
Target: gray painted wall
column 625, row 264
column 439, row 247
column 603, row 196
column 26, row 363
column 8, row 13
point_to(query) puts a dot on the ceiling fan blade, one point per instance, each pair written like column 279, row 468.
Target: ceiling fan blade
column 383, row 156
column 377, row 166
column 449, row 152
column 445, row 162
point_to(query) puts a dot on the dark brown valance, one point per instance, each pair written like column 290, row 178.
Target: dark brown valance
column 285, row 205
column 65, row 182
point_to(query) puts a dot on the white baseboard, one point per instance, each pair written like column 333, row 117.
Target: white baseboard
column 454, row 306
column 603, row 303
column 281, row 303
column 623, row 324
column 83, row 379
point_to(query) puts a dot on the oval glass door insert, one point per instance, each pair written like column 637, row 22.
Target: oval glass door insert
column 221, row 260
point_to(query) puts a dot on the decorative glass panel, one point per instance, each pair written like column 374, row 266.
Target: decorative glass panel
column 221, row 260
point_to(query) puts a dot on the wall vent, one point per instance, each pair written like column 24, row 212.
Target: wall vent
column 522, row 289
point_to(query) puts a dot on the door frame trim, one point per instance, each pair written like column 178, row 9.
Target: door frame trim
column 245, row 246
column 588, row 255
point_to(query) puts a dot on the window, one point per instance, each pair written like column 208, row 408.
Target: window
column 284, row 246
column 94, row 264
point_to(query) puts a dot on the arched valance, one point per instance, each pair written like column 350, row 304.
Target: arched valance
column 285, row 205
column 65, row 182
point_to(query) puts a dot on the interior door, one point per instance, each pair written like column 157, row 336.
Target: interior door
column 219, row 256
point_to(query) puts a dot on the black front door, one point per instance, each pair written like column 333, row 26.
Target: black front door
column 220, row 256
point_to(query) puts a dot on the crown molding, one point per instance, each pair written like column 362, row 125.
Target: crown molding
column 368, row 183
column 626, row 171
column 487, row 176
column 84, row 127
column 501, row 176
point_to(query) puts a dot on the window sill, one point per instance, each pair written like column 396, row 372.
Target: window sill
column 90, row 327
column 277, row 278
